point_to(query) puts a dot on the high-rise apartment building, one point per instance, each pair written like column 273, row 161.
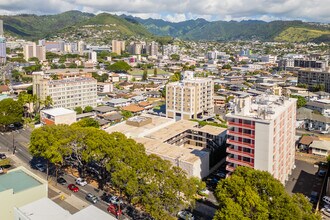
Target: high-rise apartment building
column 2, row 50
column 189, row 98
column 152, row 48
column 1, row 28
column 261, row 135
column 315, row 77
column 3, row 54
column 32, row 50
column 69, row 92
column 118, row 46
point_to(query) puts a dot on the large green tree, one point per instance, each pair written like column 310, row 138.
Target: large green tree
column 10, row 112
column 145, row 180
column 252, row 194
column 119, row 66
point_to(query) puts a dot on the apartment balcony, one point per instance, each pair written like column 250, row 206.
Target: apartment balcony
column 240, row 153
column 230, row 168
column 240, row 143
column 239, row 162
column 240, row 134
column 242, row 125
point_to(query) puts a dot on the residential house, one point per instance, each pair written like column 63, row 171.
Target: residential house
column 118, row 102
column 320, row 148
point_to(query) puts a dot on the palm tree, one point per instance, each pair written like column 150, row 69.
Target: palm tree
column 48, row 102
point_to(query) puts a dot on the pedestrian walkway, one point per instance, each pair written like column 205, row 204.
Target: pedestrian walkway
column 62, row 195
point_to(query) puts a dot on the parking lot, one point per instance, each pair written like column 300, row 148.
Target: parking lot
column 304, row 179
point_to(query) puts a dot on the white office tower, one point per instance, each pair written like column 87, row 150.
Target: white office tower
column 2, row 50
column 1, row 28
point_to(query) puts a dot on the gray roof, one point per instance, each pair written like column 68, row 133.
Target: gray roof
column 305, row 113
column 18, row 181
column 318, row 105
column 113, row 117
column 118, row 101
column 104, row 108
column 323, row 145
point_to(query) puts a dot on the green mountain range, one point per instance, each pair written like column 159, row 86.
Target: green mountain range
column 200, row 29
column 80, row 25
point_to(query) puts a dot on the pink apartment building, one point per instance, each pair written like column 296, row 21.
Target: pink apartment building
column 261, row 135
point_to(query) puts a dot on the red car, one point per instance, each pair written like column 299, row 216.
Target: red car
column 114, row 209
column 73, row 188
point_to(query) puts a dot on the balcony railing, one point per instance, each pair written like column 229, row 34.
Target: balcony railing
column 230, row 123
column 240, row 134
column 240, row 143
column 240, row 153
column 230, row 168
column 239, row 162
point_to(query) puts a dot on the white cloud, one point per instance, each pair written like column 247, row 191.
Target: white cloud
column 174, row 10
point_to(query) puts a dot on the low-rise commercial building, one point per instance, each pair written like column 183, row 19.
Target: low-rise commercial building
column 57, row 116
column 19, row 187
column 184, row 143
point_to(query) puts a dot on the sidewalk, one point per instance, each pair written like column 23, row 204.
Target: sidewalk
column 69, row 198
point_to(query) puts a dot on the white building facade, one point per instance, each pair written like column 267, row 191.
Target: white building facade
column 261, row 135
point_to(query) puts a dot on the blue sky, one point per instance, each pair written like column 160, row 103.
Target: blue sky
column 179, row 10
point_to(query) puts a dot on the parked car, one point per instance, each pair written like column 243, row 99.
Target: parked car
column 115, row 200
column 81, row 182
column 91, row 198
column 313, row 197
column 40, row 167
column 73, row 188
column 114, row 209
column 186, row 215
column 326, row 199
column 221, row 174
column 61, row 181
column 326, row 211
column 321, row 173
column 310, row 129
column 3, row 156
column 106, row 198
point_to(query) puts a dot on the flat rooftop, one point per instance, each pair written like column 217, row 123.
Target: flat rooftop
column 17, row 180
column 43, row 209
column 263, row 108
column 134, row 132
column 58, row 111
column 186, row 154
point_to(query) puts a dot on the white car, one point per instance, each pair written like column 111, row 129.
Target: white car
column 115, row 200
column 81, row 182
column 326, row 211
column 1, row 170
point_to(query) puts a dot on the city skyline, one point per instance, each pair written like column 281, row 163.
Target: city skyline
column 267, row 10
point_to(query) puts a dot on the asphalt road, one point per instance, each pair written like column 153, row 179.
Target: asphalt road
column 21, row 140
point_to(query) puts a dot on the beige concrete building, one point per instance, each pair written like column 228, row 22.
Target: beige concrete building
column 68, row 92
column 19, row 187
column 183, row 143
column 190, row 98
column 57, row 116
column 315, row 77
column 261, row 135
column 32, row 50
column 118, row 46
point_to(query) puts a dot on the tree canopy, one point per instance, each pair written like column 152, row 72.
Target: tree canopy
column 10, row 112
column 145, row 180
column 120, row 66
column 253, row 194
column 301, row 101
